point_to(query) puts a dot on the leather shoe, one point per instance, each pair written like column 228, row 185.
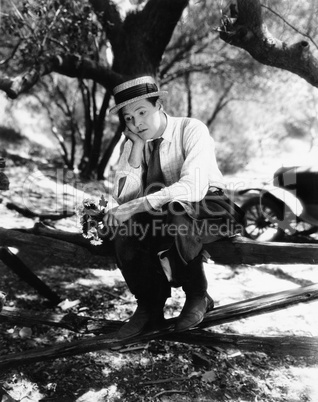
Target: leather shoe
column 193, row 311
column 136, row 324
column 144, row 318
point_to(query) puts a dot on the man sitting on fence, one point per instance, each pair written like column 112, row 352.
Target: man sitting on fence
column 171, row 200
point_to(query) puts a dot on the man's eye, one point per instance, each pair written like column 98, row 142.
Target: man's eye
column 127, row 119
column 142, row 112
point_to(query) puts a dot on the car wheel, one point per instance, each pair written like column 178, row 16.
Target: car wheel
column 262, row 217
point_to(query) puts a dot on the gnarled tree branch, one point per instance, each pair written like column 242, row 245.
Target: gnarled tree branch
column 302, row 33
column 13, row 87
column 249, row 32
column 70, row 65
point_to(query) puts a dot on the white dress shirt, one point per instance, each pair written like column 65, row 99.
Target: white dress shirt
column 188, row 164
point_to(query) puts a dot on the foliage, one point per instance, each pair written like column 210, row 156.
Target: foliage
column 41, row 29
column 205, row 78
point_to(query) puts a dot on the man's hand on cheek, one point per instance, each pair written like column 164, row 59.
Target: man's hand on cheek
column 135, row 138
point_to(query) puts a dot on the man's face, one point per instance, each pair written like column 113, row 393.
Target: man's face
column 143, row 119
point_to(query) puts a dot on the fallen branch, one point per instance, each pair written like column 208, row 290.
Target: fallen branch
column 25, row 273
column 39, row 228
column 164, row 380
column 240, row 250
column 219, row 315
column 43, row 251
column 235, row 250
column 30, row 214
column 246, row 308
column 70, row 321
column 171, row 391
column 231, row 312
column 273, row 345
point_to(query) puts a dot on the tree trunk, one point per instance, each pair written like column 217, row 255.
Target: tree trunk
column 108, row 152
column 138, row 44
column 140, row 41
column 187, row 79
column 222, row 101
column 88, row 132
column 99, row 123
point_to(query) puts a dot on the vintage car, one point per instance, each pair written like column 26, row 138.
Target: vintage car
column 288, row 206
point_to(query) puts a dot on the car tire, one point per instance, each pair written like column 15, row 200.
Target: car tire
column 262, row 217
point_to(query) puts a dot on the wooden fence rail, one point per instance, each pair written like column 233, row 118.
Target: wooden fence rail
column 222, row 314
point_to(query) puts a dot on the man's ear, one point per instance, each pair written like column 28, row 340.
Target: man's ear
column 159, row 105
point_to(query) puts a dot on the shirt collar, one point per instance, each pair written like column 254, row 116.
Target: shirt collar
column 167, row 134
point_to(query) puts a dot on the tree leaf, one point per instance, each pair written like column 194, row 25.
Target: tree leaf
column 103, row 202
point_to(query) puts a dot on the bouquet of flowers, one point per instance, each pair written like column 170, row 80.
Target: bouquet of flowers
column 91, row 219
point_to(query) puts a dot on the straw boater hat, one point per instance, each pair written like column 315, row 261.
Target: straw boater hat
column 135, row 90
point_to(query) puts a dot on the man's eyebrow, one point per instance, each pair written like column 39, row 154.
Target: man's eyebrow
column 135, row 110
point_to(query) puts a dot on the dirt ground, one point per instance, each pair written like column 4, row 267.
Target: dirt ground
column 158, row 370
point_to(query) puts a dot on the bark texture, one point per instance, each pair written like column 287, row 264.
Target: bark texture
column 249, row 32
column 138, row 43
column 140, row 40
column 61, row 246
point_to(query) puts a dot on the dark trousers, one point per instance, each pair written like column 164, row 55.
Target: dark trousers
column 183, row 229
column 137, row 245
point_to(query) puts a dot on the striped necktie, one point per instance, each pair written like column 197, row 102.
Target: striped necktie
column 154, row 176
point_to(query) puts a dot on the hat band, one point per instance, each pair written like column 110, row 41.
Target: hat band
column 134, row 92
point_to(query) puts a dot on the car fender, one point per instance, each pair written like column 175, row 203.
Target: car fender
column 279, row 195
column 285, row 197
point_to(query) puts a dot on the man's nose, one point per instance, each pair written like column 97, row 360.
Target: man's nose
column 137, row 122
